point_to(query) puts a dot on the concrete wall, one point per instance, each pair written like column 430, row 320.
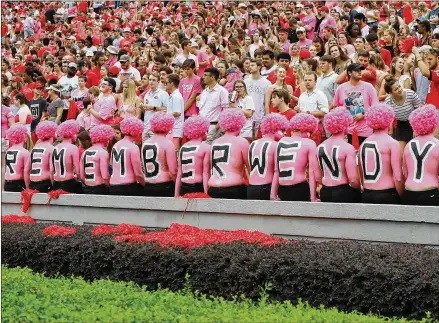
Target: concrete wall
column 365, row 222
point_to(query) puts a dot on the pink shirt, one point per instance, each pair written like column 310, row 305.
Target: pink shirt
column 84, row 120
column 126, row 163
column 311, row 22
column 357, row 99
column 159, row 160
column 336, row 163
column 15, row 161
column 105, row 107
column 193, row 164
column 202, row 57
column 6, row 115
column 65, row 161
column 294, row 155
column 421, row 163
column 94, row 166
column 261, row 156
column 380, row 160
column 229, row 156
column 188, row 87
column 328, row 21
column 38, row 167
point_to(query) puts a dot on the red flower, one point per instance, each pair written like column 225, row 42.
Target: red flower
column 181, row 235
column 14, row 218
column 103, row 229
column 57, row 230
column 55, row 194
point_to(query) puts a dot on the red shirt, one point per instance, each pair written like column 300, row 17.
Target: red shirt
column 433, row 93
column 290, row 79
column 83, row 6
column 4, row 30
column 386, row 56
column 289, row 114
column 28, row 91
column 18, row 69
column 97, row 72
column 92, row 79
column 370, row 79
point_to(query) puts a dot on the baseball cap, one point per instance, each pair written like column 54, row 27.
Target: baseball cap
column 300, row 29
column 304, row 53
column 73, row 65
column 53, row 88
column 114, row 70
column 194, row 44
column 242, row 5
column 72, row 38
column 112, row 50
column 324, row 9
column 89, row 54
column 435, row 36
column 127, row 30
column 425, row 48
column 209, row 26
column 124, row 58
column 194, row 26
column 38, row 85
column 80, row 63
column 355, row 67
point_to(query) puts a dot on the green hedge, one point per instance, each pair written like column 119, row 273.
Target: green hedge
column 390, row 280
column 28, row 297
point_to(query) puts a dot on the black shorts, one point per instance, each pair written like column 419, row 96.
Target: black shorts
column 97, row 190
column 340, row 194
column 296, row 192
column 71, row 186
column 360, row 139
column 425, row 198
column 232, row 192
column 133, row 189
column 259, row 192
column 389, row 196
column 15, row 186
column 403, row 131
column 191, row 188
column 42, row 186
column 166, row 189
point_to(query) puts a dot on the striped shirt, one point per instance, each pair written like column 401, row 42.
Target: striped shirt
column 403, row 111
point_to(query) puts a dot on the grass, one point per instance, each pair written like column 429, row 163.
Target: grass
column 30, row 297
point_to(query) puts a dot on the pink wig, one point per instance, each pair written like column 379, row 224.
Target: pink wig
column 196, row 127
column 304, row 122
column 338, row 120
column 17, row 134
column 68, row 129
column 46, row 130
column 232, row 120
column 132, row 127
column 273, row 123
column 101, row 134
column 424, row 120
column 379, row 116
column 161, row 122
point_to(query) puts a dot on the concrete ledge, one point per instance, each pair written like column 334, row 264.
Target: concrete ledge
column 365, row 222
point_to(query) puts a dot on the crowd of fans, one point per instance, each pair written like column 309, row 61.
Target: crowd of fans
column 95, row 66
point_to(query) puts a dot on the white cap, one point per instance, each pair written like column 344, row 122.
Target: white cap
column 127, row 29
column 300, row 29
column 72, row 38
column 89, row 54
column 73, row 65
column 242, row 5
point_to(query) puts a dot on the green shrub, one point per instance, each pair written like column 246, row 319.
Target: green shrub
column 28, row 297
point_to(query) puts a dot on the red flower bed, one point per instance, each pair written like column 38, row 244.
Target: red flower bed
column 57, row 230
column 121, row 229
column 181, row 235
column 14, row 218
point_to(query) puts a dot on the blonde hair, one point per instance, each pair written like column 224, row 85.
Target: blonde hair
column 129, row 97
column 385, row 26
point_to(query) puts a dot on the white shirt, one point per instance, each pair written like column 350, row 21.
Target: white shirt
column 158, row 98
column 213, row 101
column 256, row 89
column 244, row 104
column 181, row 58
column 131, row 72
column 313, row 101
column 265, row 72
column 327, row 85
column 68, row 84
column 176, row 104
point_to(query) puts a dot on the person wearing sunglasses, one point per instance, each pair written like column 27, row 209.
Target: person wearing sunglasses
column 103, row 110
column 240, row 99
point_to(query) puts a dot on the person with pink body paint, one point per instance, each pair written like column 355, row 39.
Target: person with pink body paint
column 380, row 159
column 336, row 167
column 261, row 155
column 16, row 159
column 127, row 177
column 194, row 163
column 421, row 159
column 229, row 158
column 94, row 171
column 37, row 170
column 159, row 158
column 64, row 167
column 293, row 157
